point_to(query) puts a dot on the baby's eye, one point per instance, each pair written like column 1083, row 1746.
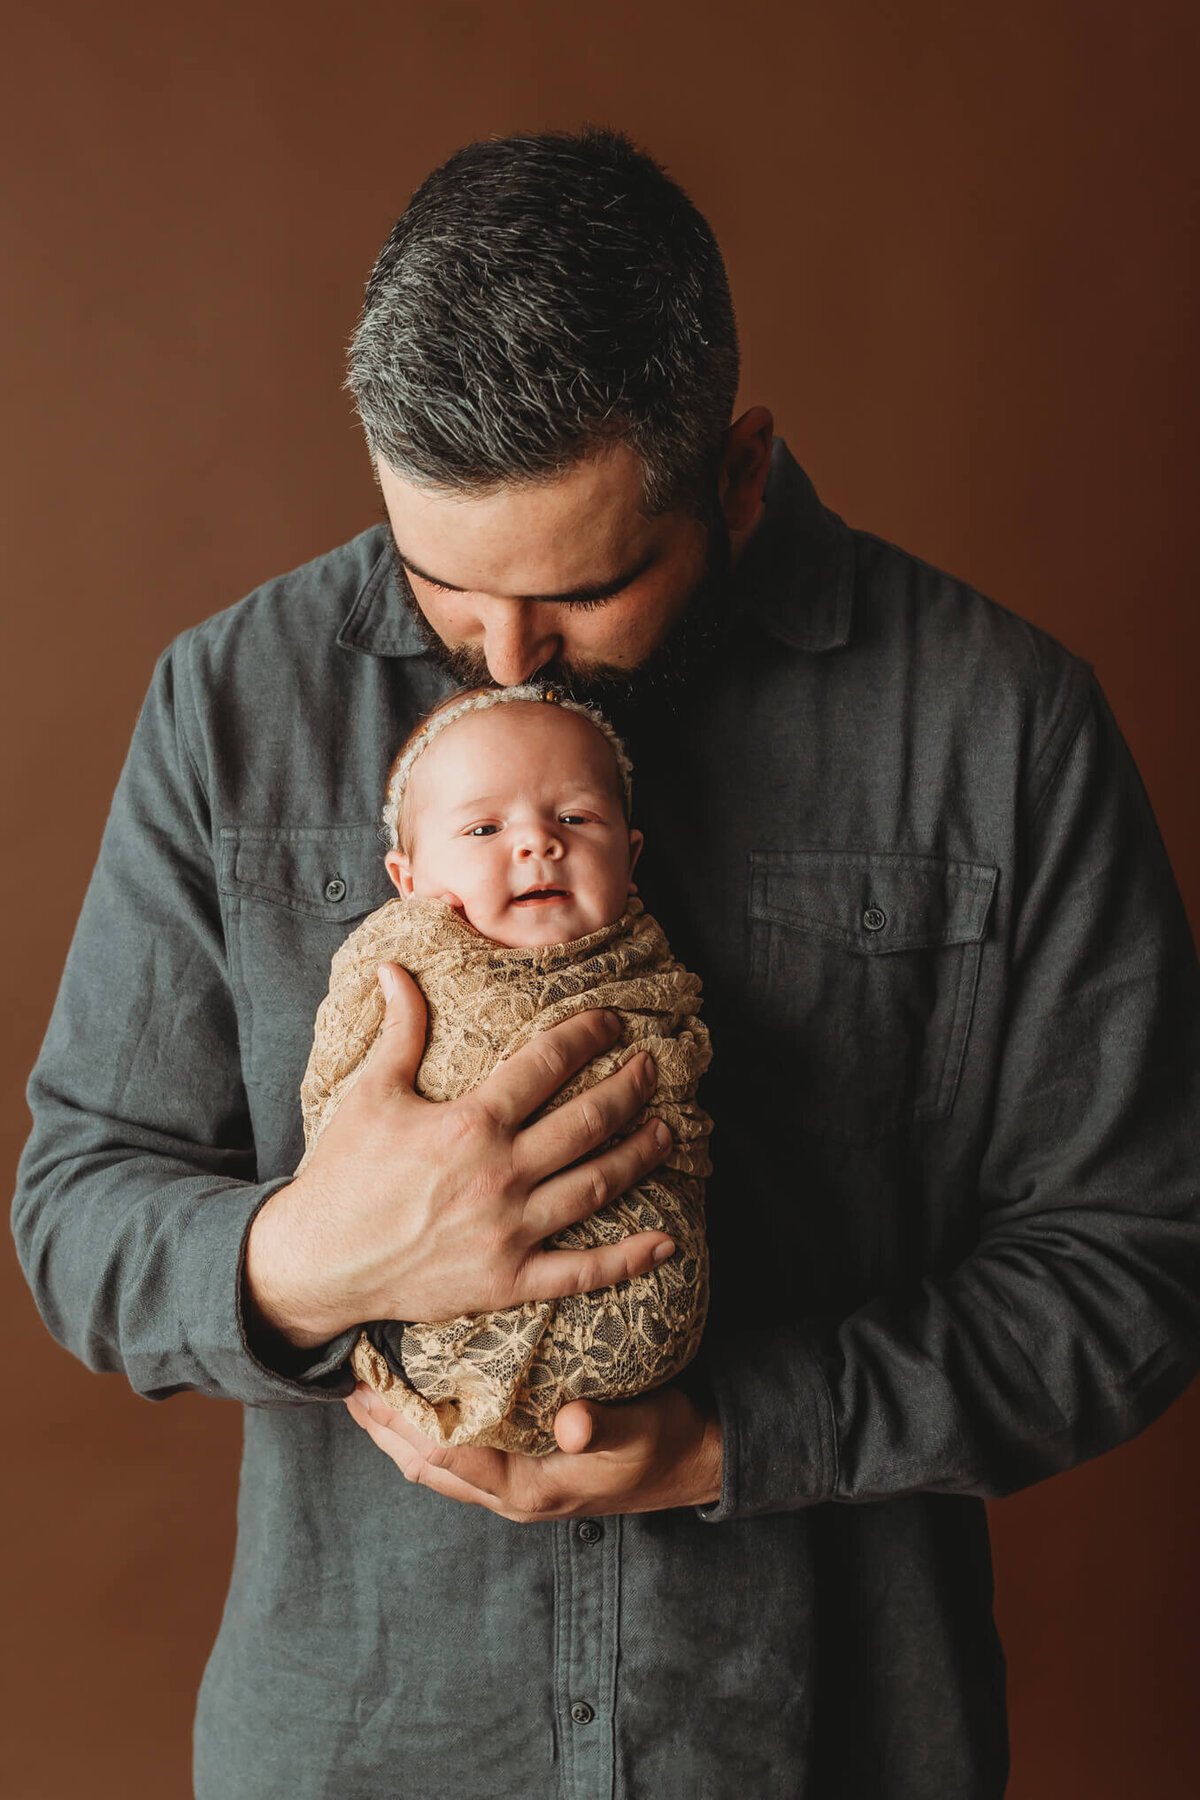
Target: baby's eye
column 572, row 818
column 482, row 830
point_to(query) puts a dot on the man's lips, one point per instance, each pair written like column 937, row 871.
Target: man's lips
column 541, row 896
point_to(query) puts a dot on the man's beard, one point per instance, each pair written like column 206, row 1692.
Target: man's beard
column 683, row 656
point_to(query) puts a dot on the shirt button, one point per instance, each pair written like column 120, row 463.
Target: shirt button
column 589, row 1532
column 335, row 890
column 582, row 1713
column 874, row 918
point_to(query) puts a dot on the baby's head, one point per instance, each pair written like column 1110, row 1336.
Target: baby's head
column 514, row 808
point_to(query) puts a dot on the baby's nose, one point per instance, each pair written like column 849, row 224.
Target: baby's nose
column 539, row 841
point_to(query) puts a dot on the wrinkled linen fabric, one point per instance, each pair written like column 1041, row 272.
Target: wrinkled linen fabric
column 498, row 1378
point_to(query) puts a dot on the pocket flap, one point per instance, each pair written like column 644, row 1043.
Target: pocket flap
column 872, row 901
column 332, row 872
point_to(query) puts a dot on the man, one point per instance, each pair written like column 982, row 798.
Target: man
column 953, row 1003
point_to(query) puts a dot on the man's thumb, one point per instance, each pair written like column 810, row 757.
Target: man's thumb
column 584, row 1425
column 402, row 1036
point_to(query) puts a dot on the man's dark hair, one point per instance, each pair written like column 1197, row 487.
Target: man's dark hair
column 538, row 296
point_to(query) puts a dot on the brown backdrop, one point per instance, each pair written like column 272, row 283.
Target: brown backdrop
column 958, row 238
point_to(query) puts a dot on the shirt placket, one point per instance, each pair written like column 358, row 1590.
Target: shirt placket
column 587, row 1575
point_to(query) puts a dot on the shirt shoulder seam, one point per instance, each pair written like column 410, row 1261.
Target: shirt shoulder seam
column 1064, row 731
column 175, row 656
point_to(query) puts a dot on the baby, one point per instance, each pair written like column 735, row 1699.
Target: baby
column 508, row 816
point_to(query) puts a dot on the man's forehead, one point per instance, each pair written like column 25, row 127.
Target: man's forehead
column 577, row 532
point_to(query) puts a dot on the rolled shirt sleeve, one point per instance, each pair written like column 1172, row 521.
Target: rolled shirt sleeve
column 137, row 1188
column 1075, row 1320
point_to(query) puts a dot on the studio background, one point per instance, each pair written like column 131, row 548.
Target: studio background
column 961, row 242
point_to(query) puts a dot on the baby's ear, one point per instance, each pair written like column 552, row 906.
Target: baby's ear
column 636, row 840
column 400, row 870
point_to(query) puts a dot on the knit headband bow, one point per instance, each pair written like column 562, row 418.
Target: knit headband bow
column 528, row 691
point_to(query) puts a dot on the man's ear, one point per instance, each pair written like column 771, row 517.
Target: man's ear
column 400, row 870
column 745, row 461
column 636, row 840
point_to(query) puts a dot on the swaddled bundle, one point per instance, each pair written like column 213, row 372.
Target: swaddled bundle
column 499, row 1378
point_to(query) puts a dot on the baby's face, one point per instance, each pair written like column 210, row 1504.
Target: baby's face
column 515, row 817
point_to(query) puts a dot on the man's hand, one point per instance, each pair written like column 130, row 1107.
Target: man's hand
column 414, row 1210
column 639, row 1456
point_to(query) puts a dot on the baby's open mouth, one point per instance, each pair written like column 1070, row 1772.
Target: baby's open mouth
column 532, row 896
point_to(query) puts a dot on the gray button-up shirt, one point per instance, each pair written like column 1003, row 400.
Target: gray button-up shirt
column 953, row 1001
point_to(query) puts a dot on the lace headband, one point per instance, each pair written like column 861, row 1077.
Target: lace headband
column 528, row 692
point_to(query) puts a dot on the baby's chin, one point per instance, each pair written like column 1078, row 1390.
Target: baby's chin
column 534, row 926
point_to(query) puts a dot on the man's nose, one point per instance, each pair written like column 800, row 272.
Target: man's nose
column 516, row 641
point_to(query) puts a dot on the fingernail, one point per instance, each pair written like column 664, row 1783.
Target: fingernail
column 612, row 1022
column 662, row 1136
column 366, row 1399
column 387, row 980
column 663, row 1251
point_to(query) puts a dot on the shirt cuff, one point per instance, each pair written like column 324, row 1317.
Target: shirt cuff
column 778, row 1439
column 212, row 1294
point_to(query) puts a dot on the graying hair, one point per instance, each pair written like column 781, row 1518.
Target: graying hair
column 539, row 297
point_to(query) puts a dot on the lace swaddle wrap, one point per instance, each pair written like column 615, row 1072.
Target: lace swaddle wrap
column 499, row 1378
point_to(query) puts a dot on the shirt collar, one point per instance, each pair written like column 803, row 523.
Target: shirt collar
column 379, row 622
column 795, row 577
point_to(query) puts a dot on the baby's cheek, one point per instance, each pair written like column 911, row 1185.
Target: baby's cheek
column 617, row 890
column 484, row 905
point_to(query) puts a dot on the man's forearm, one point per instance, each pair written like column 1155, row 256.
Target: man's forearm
column 287, row 1305
column 133, row 1259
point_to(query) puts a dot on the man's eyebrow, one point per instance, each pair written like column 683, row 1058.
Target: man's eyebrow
column 597, row 590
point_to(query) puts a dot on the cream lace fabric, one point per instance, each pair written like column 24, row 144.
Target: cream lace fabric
column 499, row 1378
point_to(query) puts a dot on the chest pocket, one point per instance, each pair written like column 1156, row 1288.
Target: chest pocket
column 291, row 896
column 863, row 968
